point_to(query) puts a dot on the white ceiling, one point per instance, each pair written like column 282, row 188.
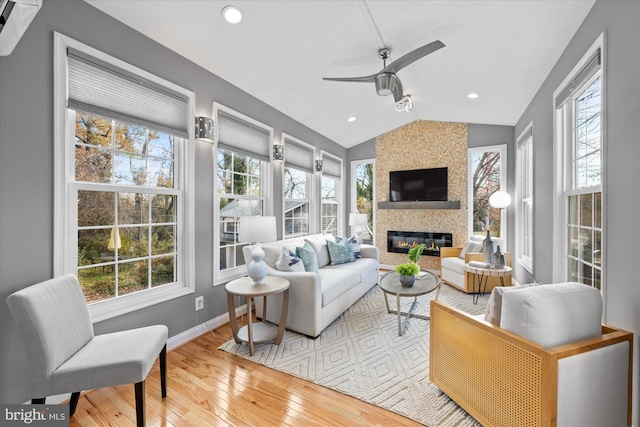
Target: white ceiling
column 502, row 50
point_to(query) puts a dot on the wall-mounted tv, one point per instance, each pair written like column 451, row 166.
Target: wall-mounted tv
column 419, row 185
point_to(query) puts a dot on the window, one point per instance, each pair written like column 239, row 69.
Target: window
column 239, row 194
column 241, row 167
column 362, row 191
column 524, row 206
column 122, row 219
column 329, row 215
column 579, row 144
column 297, row 188
column 296, row 202
column 487, row 174
column 330, row 194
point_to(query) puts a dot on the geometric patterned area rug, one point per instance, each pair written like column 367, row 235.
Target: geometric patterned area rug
column 361, row 354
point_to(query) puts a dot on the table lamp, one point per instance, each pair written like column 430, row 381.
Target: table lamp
column 257, row 229
column 358, row 220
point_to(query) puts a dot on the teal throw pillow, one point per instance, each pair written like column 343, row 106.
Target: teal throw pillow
column 308, row 257
column 355, row 247
column 340, row 253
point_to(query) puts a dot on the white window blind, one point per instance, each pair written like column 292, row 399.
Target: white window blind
column 240, row 136
column 331, row 167
column 100, row 88
column 591, row 66
column 298, row 156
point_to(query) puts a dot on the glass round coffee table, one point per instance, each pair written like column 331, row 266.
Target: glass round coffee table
column 426, row 282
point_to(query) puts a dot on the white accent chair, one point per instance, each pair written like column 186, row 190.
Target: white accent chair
column 452, row 261
column 550, row 362
column 66, row 357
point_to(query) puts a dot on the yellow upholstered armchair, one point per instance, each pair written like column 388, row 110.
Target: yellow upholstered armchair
column 544, row 365
column 452, row 262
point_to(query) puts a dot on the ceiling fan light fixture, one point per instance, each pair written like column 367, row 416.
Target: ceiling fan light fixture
column 405, row 104
column 386, row 83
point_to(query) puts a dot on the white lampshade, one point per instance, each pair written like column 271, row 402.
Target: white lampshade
column 358, row 220
column 257, row 229
column 500, row 199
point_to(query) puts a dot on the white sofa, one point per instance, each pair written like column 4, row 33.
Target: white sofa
column 317, row 299
column 547, row 360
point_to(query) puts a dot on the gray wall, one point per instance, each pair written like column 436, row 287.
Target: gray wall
column 621, row 22
column 26, row 168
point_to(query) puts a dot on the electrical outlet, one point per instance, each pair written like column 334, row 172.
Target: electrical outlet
column 199, row 303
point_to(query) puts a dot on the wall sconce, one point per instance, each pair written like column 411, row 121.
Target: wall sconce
column 278, row 152
column 319, row 165
column 204, row 129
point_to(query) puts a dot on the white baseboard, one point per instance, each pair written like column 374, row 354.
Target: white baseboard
column 196, row 331
column 172, row 342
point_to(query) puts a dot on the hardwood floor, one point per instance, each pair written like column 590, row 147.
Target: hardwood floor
column 209, row 387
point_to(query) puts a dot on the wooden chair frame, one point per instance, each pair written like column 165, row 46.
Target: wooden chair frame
column 492, row 282
column 500, row 378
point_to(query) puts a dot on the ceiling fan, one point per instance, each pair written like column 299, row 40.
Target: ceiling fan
column 386, row 80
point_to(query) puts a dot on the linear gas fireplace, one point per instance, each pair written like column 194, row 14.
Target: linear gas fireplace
column 402, row 241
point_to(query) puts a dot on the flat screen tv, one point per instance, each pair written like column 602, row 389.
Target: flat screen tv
column 419, row 185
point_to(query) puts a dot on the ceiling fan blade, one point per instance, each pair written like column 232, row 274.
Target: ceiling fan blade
column 412, row 56
column 364, row 79
column 397, row 91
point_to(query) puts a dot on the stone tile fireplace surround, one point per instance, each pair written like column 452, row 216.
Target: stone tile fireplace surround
column 418, row 145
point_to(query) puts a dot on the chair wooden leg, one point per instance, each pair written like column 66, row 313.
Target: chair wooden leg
column 163, row 371
column 73, row 403
column 38, row 401
column 140, row 404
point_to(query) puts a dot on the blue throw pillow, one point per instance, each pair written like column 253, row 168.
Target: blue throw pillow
column 288, row 261
column 308, row 257
column 355, row 247
column 340, row 253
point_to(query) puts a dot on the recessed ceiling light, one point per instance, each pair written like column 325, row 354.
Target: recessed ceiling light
column 473, row 96
column 231, row 14
column 351, row 119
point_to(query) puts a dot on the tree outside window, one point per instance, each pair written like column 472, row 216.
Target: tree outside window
column 364, row 190
column 296, row 202
column 126, row 232
column 486, row 176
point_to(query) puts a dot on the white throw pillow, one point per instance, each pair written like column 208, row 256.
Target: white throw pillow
column 468, row 247
column 493, row 312
column 319, row 245
column 288, row 261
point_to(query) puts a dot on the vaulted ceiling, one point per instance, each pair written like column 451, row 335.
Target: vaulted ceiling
column 501, row 50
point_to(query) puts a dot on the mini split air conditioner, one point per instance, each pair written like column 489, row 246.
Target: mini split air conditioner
column 15, row 17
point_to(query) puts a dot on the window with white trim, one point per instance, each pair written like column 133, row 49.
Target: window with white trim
column 297, row 187
column 578, row 117
column 121, row 180
column 363, row 193
column 487, row 174
column 524, row 201
column 331, row 194
column 242, row 160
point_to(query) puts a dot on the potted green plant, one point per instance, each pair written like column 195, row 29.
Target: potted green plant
column 415, row 252
column 407, row 272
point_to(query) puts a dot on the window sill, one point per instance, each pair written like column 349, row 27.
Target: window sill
column 526, row 264
column 109, row 309
column 226, row 276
